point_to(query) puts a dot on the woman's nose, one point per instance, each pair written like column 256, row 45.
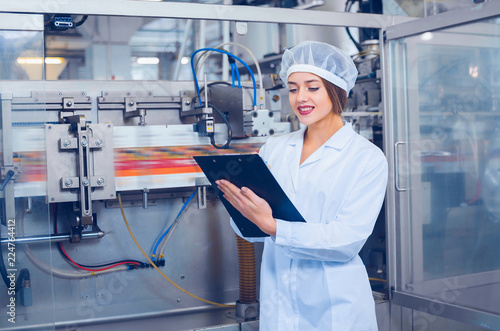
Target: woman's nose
column 302, row 95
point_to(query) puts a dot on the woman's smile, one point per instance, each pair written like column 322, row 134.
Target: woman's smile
column 305, row 110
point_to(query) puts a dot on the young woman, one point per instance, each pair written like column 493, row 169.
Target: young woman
column 312, row 277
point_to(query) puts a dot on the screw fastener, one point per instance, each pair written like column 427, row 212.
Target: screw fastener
column 100, row 181
column 84, row 142
column 68, row 182
column 67, row 143
column 85, row 182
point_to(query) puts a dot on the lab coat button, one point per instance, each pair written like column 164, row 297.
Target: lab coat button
column 284, row 278
column 288, row 322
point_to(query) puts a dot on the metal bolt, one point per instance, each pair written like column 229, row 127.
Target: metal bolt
column 84, row 142
column 100, row 181
column 131, row 103
column 69, row 103
column 67, row 143
column 85, row 182
column 68, row 182
column 142, row 120
column 98, row 142
column 187, row 103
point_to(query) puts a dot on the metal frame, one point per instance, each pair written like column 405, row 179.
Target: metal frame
column 394, row 27
column 400, row 235
column 449, row 19
column 7, row 156
column 204, row 12
column 23, row 22
column 447, row 310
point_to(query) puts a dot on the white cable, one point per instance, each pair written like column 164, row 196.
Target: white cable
column 164, row 241
column 58, row 272
column 202, row 58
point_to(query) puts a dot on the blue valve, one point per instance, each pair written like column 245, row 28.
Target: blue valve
column 9, row 176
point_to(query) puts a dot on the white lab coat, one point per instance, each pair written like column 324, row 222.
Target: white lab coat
column 312, row 277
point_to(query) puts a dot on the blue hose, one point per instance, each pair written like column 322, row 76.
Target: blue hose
column 178, row 215
column 228, row 54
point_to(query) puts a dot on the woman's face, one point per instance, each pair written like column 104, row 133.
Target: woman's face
column 309, row 99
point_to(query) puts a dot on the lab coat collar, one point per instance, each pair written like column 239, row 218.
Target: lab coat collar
column 341, row 137
column 294, row 149
column 337, row 141
column 297, row 137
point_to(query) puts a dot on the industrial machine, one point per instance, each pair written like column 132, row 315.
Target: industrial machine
column 108, row 223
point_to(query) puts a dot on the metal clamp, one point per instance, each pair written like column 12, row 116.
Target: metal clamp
column 396, row 166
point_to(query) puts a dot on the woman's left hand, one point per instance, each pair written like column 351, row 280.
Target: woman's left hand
column 253, row 207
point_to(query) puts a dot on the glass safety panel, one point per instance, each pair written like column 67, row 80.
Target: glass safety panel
column 446, row 102
column 26, row 287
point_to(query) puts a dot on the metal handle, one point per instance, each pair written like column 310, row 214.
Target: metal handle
column 396, row 166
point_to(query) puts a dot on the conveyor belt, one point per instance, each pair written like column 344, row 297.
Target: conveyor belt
column 145, row 157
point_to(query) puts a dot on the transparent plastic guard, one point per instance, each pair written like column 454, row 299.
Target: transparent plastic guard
column 448, row 113
column 27, row 297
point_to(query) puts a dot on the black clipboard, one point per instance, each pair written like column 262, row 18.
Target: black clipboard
column 248, row 170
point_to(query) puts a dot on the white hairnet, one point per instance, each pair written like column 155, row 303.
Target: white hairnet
column 323, row 60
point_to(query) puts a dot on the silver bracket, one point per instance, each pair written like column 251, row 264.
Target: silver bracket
column 130, row 108
column 68, row 103
column 136, row 104
column 202, row 197
column 145, row 198
column 16, row 167
column 80, row 164
column 84, row 171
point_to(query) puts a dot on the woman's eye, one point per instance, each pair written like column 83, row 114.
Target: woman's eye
column 313, row 89
column 292, row 90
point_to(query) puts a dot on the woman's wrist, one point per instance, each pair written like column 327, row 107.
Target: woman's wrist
column 269, row 226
